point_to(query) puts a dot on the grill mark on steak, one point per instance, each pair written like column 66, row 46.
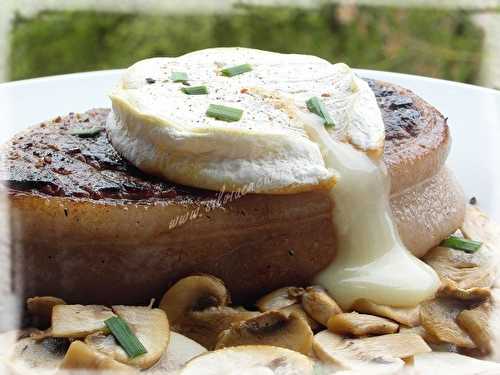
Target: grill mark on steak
column 48, row 160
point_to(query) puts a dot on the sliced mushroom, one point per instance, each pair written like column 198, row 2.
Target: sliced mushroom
column 270, row 328
column 379, row 354
column 149, row 325
column 452, row 363
column 476, row 322
column 205, row 326
column 356, row 324
column 469, row 270
column 438, row 318
column 250, row 360
column 299, row 310
column 180, row 350
column 28, row 355
column 40, row 309
column 280, row 298
column 319, row 305
column 449, row 289
column 409, row 316
column 193, row 293
column 81, row 357
column 422, row 332
column 197, row 308
column 76, row 321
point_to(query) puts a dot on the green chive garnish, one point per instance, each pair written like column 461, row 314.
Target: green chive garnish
column 458, row 243
column 179, row 77
column 195, row 90
column 127, row 340
column 315, row 105
column 235, row 70
column 87, row 132
column 224, row 113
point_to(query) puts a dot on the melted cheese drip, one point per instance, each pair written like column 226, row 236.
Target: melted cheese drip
column 371, row 260
column 165, row 132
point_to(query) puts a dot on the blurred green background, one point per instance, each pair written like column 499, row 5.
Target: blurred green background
column 431, row 42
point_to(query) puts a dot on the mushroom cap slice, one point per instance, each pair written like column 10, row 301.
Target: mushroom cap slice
column 280, row 298
column 81, row 357
column 38, row 356
column 450, row 289
column 438, row 318
column 319, row 305
column 205, row 326
column 253, row 359
column 193, row 293
column 180, row 350
column 40, row 309
column 409, row 316
column 149, row 325
column 361, row 324
column 476, row 322
column 76, row 321
column 270, row 328
column 380, row 354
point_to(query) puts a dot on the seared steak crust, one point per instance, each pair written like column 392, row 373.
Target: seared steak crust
column 49, row 159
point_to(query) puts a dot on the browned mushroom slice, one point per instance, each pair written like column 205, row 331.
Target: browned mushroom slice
column 438, row 318
column 478, row 226
column 197, row 308
column 81, row 357
column 449, row 289
column 356, row 324
column 299, row 310
column 409, row 316
column 77, row 321
column 476, row 322
column 319, row 305
column 149, row 325
column 40, row 309
column 422, row 332
column 280, row 298
column 379, row 353
column 205, row 326
column 193, row 293
column 270, row 328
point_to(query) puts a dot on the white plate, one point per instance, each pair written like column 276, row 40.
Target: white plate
column 473, row 112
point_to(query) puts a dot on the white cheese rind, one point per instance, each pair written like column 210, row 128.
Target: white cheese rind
column 165, row 132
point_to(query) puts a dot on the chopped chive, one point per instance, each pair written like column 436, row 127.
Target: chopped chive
column 462, row 244
column 127, row 340
column 316, row 106
column 179, row 77
column 195, row 90
column 235, row 70
column 224, row 113
column 86, row 132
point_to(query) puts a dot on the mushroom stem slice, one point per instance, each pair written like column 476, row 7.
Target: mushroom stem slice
column 254, row 360
column 76, row 321
column 180, row 350
column 40, row 309
column 449, row 289
column 149, row 325
column 193, row 293
column 374, row 354
column 476, row 323
column 270, row 328
column 360, row 324
column 299, row 310
column 438, row 318
column 319, row 305
column 280, row 298
column 408, row 316
column 81, row 357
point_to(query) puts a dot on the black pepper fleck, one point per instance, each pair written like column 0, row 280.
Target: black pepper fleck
column 150, row 80
column 473, row 200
